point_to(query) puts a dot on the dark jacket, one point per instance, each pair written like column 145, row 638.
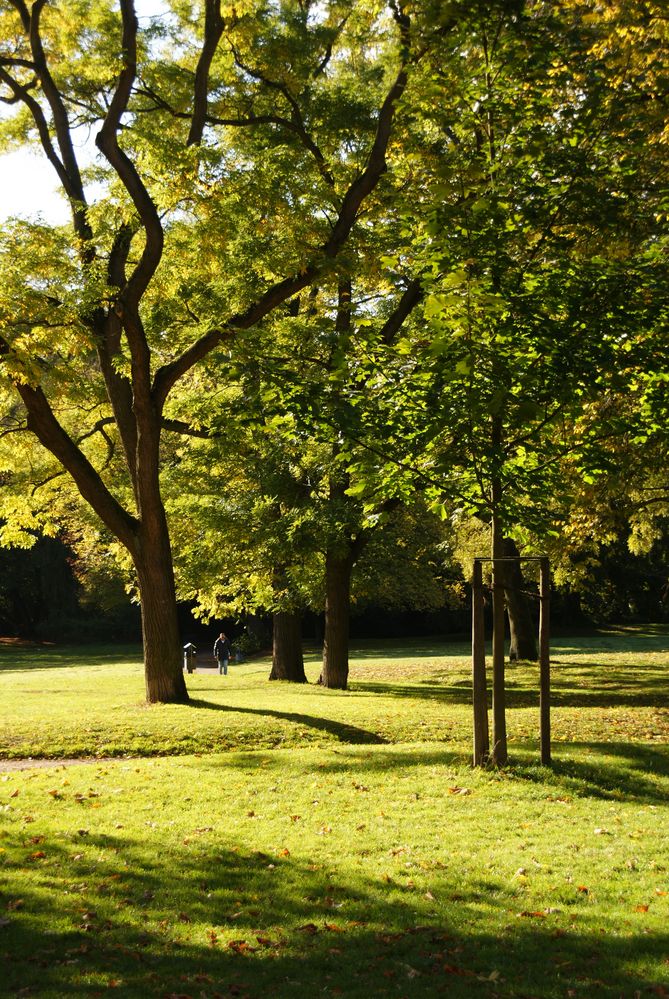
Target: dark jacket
column 222, row 648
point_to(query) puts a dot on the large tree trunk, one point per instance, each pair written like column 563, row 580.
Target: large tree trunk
column 163, row 666
column 287, row 657
column 521, row 625
column 338, row 570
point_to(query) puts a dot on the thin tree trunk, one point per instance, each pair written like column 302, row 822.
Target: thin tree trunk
column 544, row 662
column 499, row 747
column 338, row 570
column 287, row 657
column 521, row 625
column 479, row 687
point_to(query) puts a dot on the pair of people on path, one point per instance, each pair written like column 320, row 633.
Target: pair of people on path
column 222, row 651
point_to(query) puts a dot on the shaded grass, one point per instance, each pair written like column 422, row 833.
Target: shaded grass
column 384, row 871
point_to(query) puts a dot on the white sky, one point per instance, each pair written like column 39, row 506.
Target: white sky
column 28, row 188
column 28, row 183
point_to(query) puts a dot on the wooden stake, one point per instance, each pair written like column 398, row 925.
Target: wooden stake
column 544, row 662
column 479, row 687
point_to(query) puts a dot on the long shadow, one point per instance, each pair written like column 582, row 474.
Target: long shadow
column 577, row 778
column 608, row 781
column 563, row 694
column 46, row 657
column 298, row 930
column 342, row 731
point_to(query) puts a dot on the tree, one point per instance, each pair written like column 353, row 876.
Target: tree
column 538, row 245
column 131, row 329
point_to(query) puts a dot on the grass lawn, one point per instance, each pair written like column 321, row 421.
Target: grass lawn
column 290, row 841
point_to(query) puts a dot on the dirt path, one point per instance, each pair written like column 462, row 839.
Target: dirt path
column 29, row 764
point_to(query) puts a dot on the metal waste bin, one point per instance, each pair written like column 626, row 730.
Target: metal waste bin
column 190, row 652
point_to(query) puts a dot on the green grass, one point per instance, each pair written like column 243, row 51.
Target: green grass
column 58, row 703
column 340, row 844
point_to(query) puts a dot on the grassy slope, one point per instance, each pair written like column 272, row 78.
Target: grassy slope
column 341, row 845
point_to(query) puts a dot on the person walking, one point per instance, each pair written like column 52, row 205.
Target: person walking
column 222, row 650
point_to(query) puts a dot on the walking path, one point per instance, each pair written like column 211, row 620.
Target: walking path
column 29, row 764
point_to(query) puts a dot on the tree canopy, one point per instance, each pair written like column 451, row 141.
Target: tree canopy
column 419, row 248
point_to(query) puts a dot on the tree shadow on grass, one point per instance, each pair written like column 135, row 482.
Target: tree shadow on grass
column 628, row 777
column 601, row 779
column 230, row 922
column 340, row 730
column 610, row 688
column 45, row 656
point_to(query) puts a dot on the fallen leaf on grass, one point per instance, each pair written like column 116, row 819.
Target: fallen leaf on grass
column 641, row 908
column 309, row 928
column 453, row 969
column 241, row 947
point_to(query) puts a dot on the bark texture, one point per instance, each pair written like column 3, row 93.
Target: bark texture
column 287, row 656
column 522, row 626
column 338, row 570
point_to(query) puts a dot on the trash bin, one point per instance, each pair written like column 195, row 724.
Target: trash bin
column 190, row 652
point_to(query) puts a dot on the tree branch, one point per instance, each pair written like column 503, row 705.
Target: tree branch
column 166, row 377
column 43, row 423
column 214, row 25
column 408, row 302
column 107, row 142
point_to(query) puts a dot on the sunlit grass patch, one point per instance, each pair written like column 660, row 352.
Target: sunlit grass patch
column 78, row 701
